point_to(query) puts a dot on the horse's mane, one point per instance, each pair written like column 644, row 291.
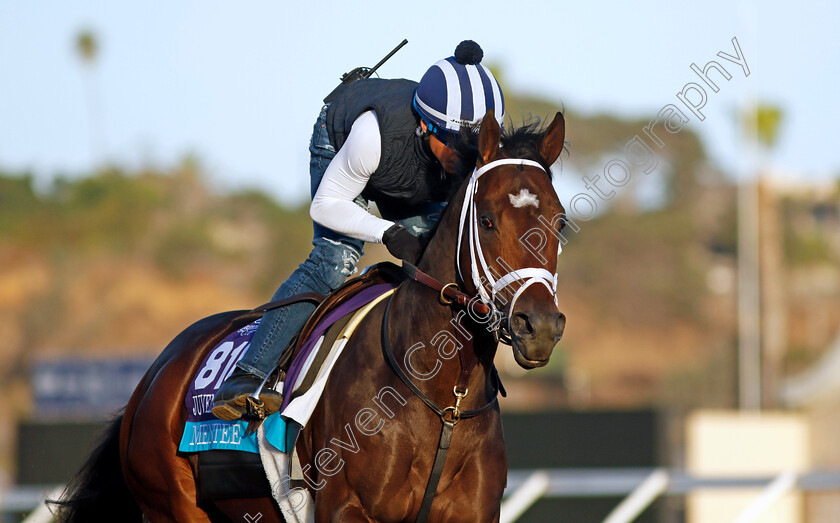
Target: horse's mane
column 524, row 142
column 516, row 142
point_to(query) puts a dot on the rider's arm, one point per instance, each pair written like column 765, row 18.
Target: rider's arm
column 345, row 178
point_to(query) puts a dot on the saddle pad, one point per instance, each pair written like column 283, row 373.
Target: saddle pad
column 203, row 431
column 309, row 345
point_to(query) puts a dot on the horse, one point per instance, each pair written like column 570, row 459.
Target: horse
column 379, row 446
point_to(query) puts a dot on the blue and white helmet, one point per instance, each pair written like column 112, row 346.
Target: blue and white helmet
column 458, row 90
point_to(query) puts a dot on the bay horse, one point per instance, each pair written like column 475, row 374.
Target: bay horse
column 379, row 446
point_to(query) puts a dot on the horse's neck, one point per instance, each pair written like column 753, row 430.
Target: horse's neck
column 439, row 257
column 429, row 318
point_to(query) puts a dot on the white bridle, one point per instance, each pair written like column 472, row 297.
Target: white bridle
column 478, row 265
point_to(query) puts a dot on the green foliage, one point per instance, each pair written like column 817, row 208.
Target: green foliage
column 642, row 269
column 182, row 246
column 804, row 242
column 765, row 120
column 167, row 219
column 18, row 203
column 798, row 359
column 109, row 211
column 87, row 46
column 802, row 248
column 593, row 140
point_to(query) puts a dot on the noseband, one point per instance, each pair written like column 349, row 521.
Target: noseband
column 480, row 271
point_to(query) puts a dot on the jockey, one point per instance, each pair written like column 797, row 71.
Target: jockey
column 386, row 141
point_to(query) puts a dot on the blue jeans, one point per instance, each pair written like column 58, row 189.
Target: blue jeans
column 333, row 258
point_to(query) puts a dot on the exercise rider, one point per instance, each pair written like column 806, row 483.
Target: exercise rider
column 386, row 141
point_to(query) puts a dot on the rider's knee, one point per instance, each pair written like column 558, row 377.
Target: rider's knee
column 335, row 261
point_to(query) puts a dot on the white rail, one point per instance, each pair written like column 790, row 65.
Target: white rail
column 783, row 484
column 634, row 504
column 26, row 498
column 525, row 487
column 42, row 513
column 526, row 495
column 643, row 486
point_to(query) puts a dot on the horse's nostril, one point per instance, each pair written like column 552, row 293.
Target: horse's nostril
column 561, row 326
column 521, row 325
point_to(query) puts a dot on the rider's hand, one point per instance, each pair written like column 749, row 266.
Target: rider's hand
column 402, row 244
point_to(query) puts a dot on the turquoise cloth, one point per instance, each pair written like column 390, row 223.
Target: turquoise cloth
column 230, row 435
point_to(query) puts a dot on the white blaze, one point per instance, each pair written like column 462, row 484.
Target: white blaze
column 524, row 198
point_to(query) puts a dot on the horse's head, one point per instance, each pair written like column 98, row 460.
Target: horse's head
column 509, row 201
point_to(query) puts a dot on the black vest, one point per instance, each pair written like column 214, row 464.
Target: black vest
column 408, row 173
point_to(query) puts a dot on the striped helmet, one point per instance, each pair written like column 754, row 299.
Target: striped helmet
column 458, row 90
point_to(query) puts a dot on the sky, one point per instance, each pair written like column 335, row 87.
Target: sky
column 240, row 85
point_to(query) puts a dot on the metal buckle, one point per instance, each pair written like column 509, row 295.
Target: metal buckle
column 443, row 299
column 456, row 410
column 498, row 318
column 456, row 416
column 256, row 408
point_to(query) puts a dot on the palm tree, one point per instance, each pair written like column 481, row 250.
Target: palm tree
column 761, row 311
column 87, row 46
column 768, row 118
column 773, row 313
column 87, row 49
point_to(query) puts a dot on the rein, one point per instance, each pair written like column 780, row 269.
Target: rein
column 449, row 416
column 449, row 292
column 454, row 412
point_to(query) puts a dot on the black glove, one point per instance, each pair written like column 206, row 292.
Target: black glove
column 402, row 244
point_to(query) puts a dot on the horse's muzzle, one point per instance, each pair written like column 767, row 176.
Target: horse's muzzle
column 534, row 336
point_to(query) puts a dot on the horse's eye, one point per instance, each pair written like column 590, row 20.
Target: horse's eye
column 485, row 221
column 562, row 224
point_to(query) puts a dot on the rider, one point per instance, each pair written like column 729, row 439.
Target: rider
column 387, row 141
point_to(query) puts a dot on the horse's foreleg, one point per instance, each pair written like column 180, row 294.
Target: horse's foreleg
column 349, row 510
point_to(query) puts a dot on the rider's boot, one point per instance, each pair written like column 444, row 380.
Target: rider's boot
column 231, row 401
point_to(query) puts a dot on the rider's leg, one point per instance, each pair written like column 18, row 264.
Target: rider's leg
column 333, row 258
column 426, row 218
column 328, row 265
column 419, row 220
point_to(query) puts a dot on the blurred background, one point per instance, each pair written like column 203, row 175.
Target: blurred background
column 154, row 170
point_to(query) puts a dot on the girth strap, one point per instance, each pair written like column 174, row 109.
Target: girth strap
column 437, row 469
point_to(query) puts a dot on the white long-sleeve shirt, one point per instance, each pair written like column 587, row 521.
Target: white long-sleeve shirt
column 345, row 178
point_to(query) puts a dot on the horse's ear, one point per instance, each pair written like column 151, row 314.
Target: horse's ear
column 488, row 138
column 552, row 142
